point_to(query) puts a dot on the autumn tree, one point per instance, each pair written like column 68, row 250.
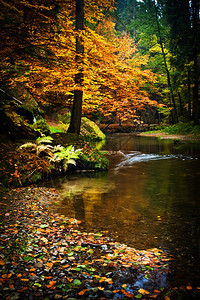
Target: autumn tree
column 51, row 64
column 75, row 122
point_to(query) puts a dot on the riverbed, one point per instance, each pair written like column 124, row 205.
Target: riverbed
column 148, row 198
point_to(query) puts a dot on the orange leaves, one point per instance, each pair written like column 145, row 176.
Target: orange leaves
column 6, row 276
column 81, row 293
column 51, row 284
column 143, row 292
column 2, row 263
column 49, row 265
column 24, row 279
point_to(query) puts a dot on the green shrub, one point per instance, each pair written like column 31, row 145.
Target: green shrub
column 41, row 126
column 64, row 118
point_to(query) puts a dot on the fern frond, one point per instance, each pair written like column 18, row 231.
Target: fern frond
column 44, row 139
column 29, row 145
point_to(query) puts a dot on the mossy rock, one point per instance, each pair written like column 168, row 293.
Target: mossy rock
column 90, row 129
column 28, row 102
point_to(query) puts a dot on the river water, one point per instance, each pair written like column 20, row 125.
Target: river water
column 149, row 198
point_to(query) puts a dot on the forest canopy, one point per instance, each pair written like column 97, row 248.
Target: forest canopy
column 140, row 61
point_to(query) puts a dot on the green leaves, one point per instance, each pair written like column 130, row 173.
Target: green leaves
column 44, row 226
column 138, row 296
column 67, row 155
column 77, row 282
column 28, row 258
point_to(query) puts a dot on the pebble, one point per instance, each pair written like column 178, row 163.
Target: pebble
column 63, row 261
column 38, row 265
column 33, row 278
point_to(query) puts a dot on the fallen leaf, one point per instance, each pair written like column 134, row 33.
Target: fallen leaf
column 143, row 292
column 6, row 276
column 157, row 291
column 138, row 296
column 76, row 282
column 24, row 279
column 49, row 265
column 82, row 292
column 51, row 284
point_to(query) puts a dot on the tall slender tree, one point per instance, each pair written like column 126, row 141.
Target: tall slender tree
column 174, row 115
column 75, row 122
column 184, row 21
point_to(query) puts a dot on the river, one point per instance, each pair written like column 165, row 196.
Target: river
column 149, row 198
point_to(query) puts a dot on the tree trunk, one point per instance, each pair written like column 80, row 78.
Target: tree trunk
column 75, row 122
column 180, row 104
column 195, row 15
column 189, row 97
column 195, row 93
column 175, row 116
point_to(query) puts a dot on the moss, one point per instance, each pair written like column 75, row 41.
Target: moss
column 41, row 126
column 10, row 113
column 90, row 129
column 28, row 102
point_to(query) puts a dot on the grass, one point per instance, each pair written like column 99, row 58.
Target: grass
column 183, row 128
column 180, row 128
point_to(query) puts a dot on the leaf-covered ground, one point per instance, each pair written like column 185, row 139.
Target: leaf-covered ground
column 47, row 256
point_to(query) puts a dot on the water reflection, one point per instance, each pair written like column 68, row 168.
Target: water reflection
column 148, row 198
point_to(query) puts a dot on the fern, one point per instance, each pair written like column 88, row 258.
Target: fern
column 29, row 145
column 68, row 156
column 40, row 146
column 44, row 139
column 56, row 154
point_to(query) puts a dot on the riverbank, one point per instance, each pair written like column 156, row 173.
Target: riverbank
column 165, row 135
column 48, row 256
column 36, row 160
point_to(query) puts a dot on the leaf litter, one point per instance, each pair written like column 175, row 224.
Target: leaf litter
column 48, row 256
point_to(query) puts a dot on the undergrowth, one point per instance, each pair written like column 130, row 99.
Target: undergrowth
column 183, row 128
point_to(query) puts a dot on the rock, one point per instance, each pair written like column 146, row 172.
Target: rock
column 57, row 296
column 38, row 265
column 63, row 261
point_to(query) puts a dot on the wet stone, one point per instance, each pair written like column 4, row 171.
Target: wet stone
column 63, row 261
column 33, row 278
column 57, row 296
column 108, row 293
column 38, row 265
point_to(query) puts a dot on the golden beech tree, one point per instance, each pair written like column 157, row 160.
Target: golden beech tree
column 114, row 85
column 40, row 51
